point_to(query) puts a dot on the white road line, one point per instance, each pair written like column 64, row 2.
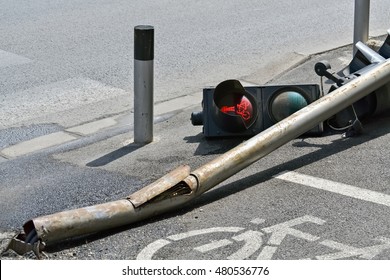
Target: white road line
column 8, row 59
column 257, row 221
column 148, row 252
column 335, row 187
column 345, row 251
column 267, row 253
column 180, row 236
column 213, row 245
column 253, row 242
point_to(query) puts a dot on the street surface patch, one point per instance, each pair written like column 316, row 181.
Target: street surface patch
column 54, row 98
column 9, row 59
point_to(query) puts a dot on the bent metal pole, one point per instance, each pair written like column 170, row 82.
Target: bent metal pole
column 182, row 185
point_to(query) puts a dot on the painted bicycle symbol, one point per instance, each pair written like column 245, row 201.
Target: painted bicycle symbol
column 264, row 243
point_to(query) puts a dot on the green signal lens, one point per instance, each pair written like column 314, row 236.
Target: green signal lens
column 286, row 103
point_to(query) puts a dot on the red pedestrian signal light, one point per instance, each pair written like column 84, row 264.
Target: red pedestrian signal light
column 235, row 108
column 230, row 109
column 242, row 108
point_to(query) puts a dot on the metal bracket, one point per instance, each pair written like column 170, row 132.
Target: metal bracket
column 322, row 69
column 21, row 247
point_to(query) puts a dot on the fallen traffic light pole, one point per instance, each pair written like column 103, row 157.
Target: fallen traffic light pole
column 181, row 185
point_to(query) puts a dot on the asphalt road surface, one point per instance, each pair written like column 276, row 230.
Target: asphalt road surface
column 66, row 71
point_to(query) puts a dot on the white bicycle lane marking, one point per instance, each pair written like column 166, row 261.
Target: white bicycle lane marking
column 253, row 240
column 148, row 252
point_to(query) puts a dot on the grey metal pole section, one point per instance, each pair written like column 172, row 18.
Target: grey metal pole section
column 361, row 22
column 143, row 83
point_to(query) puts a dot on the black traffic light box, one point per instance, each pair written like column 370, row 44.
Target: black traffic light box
column 231, row 110
column 375, row 103
column 384, row 50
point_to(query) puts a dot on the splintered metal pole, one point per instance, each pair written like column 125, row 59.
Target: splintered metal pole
column 143, row 83
column 361, row 22
column 181, row 185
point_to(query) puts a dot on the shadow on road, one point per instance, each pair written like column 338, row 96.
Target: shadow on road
column 114, row 155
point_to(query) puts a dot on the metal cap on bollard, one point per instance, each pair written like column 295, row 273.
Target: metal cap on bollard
column 144, row 42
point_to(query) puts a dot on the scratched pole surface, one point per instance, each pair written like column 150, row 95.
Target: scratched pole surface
column 180, row 186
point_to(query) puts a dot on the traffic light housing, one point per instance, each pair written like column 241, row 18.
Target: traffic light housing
column 384, row 50
column 375, row 103
column 231, row 109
